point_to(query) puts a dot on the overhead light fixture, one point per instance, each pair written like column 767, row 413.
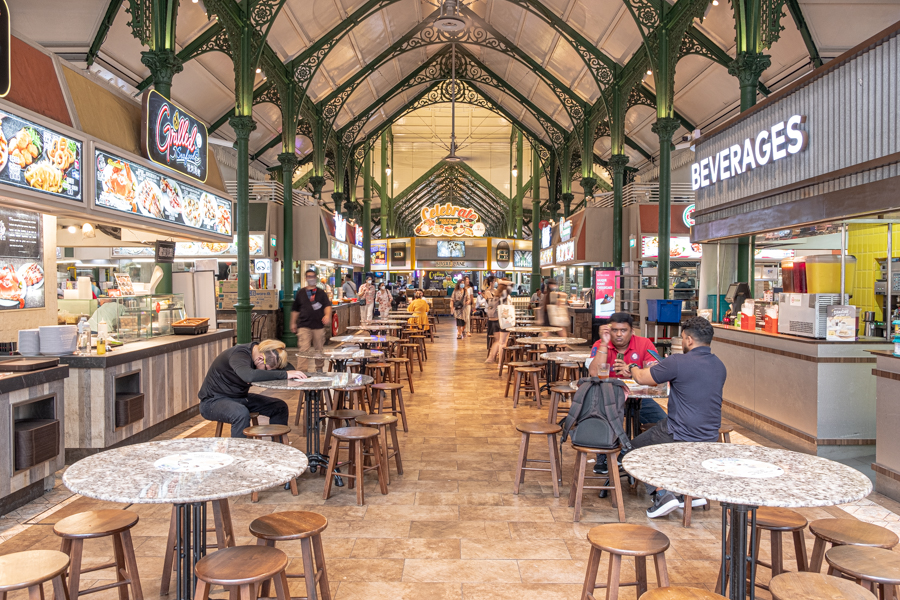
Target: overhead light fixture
column 649, row 72
column 258, row 70
column 387, row 171
column 450, row 21
column 87, row 231
column 72, row 229
column 515, row 172
column 715, row 2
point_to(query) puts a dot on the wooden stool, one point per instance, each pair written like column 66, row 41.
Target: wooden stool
column 624, row 539
column 778, row 521
column 379, row 371
column 254, row 420
column 815, row 586
column 297, row 525
column 577, row 490
column 31, row 569
column 357, row 438
column 555, row 470
column 531, row 377
column 725, row 434
column 241, row 570
column 343, row 418
column 680, row 593
column 324, row 404
column 277, row 433
column 356, row 397
column 420, row 339
column 390, row 450
column 224, row 539
column 509, row 354
column 511, row 368
column 353, row 366
column 568, row 372
column 558, row 393
column 534, row 354
column 401, row 364
column 396, row 407
column 847, row 532
column 406, row 351
column 876, row 569
column 98, row 524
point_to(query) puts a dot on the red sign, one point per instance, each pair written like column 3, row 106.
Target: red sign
column 542, row 224
column 605, row 285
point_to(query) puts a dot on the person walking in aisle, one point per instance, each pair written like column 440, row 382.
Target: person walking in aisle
column 490, row 311
column 500, row 298
column 224, row 395
column 384, row 299
column 367, row 295
column 458, row 304
column 470, row 304
column 309, row 315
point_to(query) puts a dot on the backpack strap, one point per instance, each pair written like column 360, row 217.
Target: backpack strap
column 575, row 410
column 610, row 407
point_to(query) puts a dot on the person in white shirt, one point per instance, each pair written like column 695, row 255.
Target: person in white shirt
column 349, row 288
column 367, row 294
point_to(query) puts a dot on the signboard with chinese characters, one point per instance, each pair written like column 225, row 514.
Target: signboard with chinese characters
column 36, row 158
column 174, row 138
column 448, row 220
column 21, row 260
column 165, row 252
column 522, row 259
column 128, row 187
column 546, row 257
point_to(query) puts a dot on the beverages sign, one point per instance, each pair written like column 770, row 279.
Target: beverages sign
column 447, row 220
column 174, row 138
column 771, row 144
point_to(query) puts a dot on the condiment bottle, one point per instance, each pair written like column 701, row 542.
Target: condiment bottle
column 101, row 344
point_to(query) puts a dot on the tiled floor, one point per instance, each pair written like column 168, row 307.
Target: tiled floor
column 450, row 526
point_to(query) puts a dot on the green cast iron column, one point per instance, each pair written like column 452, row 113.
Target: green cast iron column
column 566, row 175
column 367, row 213
column 588, row 181
column 385, row 195
column 289, row 162
column 617, row 164
column 535, row 220
column 390, row 192
column 317, row 181
column 520, row 192
column 665, row 128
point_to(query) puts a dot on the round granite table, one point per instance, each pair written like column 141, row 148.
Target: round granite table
column 187, row 473
column 378, row 328
column 341, row 356
column 532, row 329
column 315, row 383
column 365, row 339
column 744, row 478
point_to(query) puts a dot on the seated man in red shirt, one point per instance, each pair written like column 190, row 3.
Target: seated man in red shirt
column 624, row 348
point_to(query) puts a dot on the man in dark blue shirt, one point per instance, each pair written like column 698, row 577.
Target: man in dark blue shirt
column 696, row 379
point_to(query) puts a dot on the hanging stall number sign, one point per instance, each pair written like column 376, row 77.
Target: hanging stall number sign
column 173, row 138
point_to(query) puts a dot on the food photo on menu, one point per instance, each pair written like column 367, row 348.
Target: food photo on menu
column 129, row 187
column 21, row 260
column 32, row 156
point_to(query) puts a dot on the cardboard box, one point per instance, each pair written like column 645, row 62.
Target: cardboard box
column 260, row 299
column 226, row 286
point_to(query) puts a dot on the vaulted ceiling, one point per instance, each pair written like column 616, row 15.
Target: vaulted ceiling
column 376, row 61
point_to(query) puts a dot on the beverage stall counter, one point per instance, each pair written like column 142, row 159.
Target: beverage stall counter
column 887, row 412
column 135, row 392
column 31, row 410
column 811, row 395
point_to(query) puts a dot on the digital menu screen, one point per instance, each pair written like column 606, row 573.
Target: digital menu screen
column 36, row 158
column 679, row 247
column 379, row 254
column 340, row 250
column 128, row 187
column 605, row 285
column 256, row 243
column 21, row 260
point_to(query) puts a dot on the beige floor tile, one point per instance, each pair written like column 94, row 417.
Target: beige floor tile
column 514, row 549
column 521, row 591
column 353, row 590
column 409, row 548
column 483, row 571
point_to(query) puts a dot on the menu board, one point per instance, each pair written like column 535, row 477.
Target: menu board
column 256, row 242
column 547, row 256
column 128, row 187
column 522, row 259
column 359, row 256
column 21, row 260
column 605, row 285
column 36, row 158
column 340, row 250
column 565, row 252
column 379, row 254
column 679, row 247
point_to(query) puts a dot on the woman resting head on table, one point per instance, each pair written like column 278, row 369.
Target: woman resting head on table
column 225, row 394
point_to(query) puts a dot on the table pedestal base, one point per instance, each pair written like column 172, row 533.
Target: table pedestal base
column 190, row 546
column 738, row 552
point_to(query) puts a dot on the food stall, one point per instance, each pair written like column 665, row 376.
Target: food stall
column 776, row 167
column 72, row 176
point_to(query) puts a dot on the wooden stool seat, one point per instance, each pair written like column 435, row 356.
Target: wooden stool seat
column 115, row 523
column 397, row 407
column 241, row 565
column 290, row 525
column 847, row 532
column 355, row 433
column 815, row 586
column 509, row 353
column 254, row 420
column 400, row 364
column 356, row 397
column 531, row 376
column 725, row 434
column 613, row 481
column 873, row 565
column 625, row 539
column 359, row 439
column 512, row 366
column 272, row 431
column 680, row 593
column 95, row 524
column 539, row 428
column 628, row 539
column 385, row 422
column 406, row 351
column 387, row 386
column 558, row 393
column 345, row 414
column 550, row 430
column 779, row 519
column 31, row 568
column 366, row 420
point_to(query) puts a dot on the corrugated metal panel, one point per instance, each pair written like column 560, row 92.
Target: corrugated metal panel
column 853, row 116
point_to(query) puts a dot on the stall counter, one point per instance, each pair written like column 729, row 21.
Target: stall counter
column 810, row 395
column 887, row 412
column 137, row 391
column 347, row 314
column 31, row 395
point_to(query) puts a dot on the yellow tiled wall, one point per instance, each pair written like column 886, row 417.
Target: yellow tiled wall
column 866, row 243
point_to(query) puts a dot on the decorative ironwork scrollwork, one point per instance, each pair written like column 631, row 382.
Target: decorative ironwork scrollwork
column 141, row 22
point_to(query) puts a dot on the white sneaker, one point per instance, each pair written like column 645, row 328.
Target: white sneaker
column 695, row 502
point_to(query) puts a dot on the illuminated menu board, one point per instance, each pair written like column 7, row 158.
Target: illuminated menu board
column 21, row 260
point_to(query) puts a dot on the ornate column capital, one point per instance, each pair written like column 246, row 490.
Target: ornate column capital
column 317, row 182
column 243, row 126
column 288, row 160
column 665, row 128
column 568, row 197
column 338, row 196
column 748, row 67
column 588, row 184
column 617, row 163
column 163, row 65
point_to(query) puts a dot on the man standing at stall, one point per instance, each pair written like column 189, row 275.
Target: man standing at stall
column 309, row 315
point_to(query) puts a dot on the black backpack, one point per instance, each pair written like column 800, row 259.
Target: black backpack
column 598, row 414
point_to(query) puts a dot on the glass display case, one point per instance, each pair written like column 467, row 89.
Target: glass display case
column 145, row 317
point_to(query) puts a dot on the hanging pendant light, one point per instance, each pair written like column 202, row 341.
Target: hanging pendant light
column 452, row 157
column 450, row 21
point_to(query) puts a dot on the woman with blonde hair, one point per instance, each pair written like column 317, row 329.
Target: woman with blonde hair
column 419, row 308
column 224, row 395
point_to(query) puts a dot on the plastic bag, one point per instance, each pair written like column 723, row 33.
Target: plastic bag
column 506, row 314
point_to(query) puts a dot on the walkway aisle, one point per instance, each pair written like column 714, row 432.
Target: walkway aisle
column 450, row 527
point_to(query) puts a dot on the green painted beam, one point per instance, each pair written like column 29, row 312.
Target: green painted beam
column 800, row 22
column 112, row 9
